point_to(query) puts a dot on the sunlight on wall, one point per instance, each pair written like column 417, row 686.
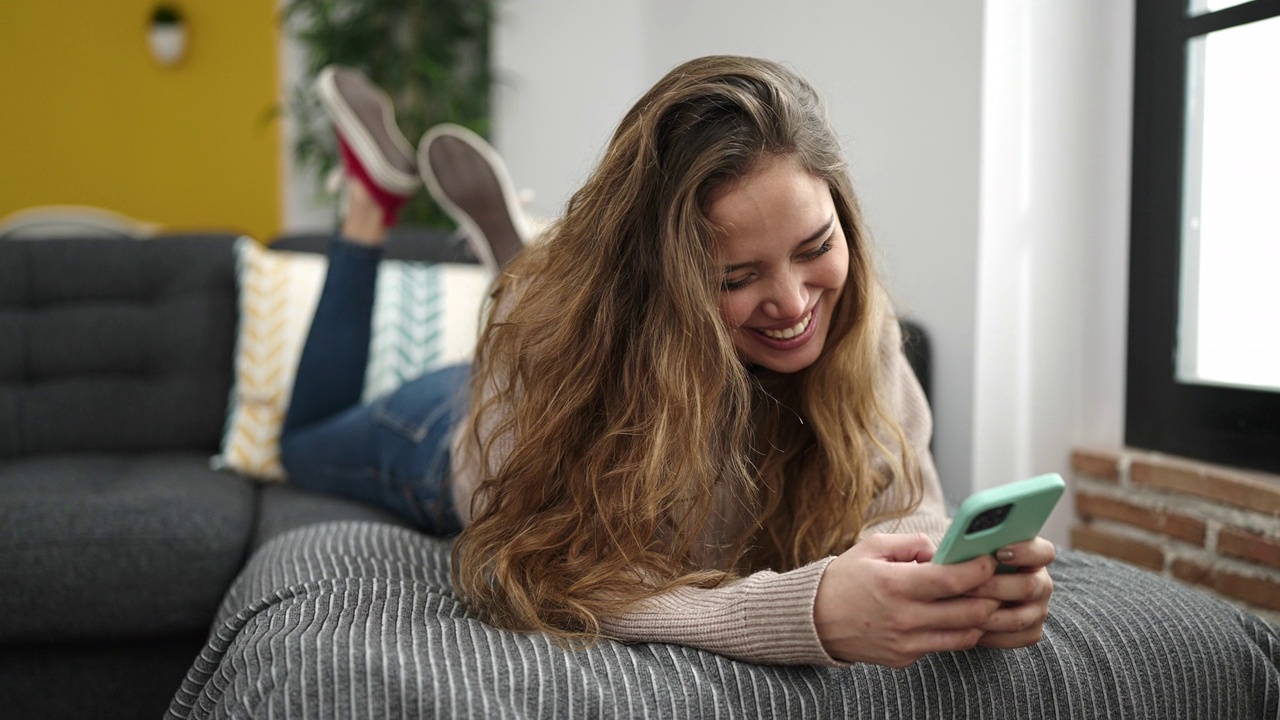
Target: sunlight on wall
column 92, row 119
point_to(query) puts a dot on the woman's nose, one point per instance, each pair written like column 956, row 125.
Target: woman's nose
column 787, row 299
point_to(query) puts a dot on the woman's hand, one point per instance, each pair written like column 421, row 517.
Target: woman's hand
column 1024, row 595
column 883, row 602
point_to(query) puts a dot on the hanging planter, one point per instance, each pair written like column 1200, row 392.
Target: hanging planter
column 167, row 35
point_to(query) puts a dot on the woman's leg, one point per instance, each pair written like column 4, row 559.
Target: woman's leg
column 331, row 370
column 379, row 167
column 393, row 452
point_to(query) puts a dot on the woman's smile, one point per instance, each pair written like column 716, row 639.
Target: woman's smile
column 792, row 337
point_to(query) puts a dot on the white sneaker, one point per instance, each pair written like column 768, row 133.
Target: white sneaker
column 467, row 177
column 374, row 149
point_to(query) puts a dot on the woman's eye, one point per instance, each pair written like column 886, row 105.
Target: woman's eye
column 735, row 284
column 819, row 251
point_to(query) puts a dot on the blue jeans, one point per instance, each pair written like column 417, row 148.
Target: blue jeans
column 393, row 452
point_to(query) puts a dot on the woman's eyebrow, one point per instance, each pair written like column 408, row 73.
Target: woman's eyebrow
column 822, row 232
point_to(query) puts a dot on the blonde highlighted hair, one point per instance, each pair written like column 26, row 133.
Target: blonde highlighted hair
column 609, row 404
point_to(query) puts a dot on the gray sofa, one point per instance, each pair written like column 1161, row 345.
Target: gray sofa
column 133, row 578
column 117, row 541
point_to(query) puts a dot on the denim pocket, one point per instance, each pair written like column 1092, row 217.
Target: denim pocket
column 424, row 404
column 410, row 419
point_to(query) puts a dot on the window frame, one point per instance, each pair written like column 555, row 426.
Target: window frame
column 1226, row 425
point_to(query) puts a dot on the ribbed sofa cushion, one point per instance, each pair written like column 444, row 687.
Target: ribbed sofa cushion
column 115, row 345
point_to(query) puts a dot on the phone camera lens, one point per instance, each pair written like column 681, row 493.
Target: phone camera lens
column 989, row 518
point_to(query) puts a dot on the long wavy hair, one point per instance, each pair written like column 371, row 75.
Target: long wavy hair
column 610, row 407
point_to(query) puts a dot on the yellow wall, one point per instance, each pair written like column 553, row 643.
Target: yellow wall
column 87, row 117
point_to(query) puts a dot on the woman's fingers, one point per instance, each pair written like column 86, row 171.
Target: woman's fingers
column 1016, row 618
column 956, row 640
column 935, row 582
column 916, row 629
column 1016, row 587
column 954, row 614
column 1020, row 620
column 911, row 547
column 1032, row 553
column 882, row 601
column 1015, row 626
column 914, row 648
column 1009, row 641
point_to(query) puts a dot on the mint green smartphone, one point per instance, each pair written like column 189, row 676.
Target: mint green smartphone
column 999, row 516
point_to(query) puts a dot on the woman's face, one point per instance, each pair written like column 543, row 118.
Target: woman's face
column 785, row 260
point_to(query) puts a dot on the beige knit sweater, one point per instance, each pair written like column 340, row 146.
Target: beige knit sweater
column 767, row 617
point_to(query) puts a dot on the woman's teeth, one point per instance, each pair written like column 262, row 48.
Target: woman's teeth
column 790, row 332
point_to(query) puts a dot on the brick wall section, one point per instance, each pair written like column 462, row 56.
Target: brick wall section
column 1214, row 527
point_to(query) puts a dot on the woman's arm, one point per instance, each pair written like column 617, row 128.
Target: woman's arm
column 871, row 604
column 766, row 617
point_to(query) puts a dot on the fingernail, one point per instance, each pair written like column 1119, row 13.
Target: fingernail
column 1004, row 555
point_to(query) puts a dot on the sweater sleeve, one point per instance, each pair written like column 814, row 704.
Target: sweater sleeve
column 767, row 617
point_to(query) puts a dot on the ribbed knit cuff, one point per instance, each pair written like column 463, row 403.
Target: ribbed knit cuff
column 764, row 618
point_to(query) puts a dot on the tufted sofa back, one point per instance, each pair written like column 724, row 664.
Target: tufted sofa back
column 115, row 344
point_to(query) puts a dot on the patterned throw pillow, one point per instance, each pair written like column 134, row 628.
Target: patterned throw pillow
column 425, row 316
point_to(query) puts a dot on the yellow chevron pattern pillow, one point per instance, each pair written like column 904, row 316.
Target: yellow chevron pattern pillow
column 278, row 296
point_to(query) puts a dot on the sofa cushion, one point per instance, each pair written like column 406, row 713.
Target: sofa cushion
column 104, row 546
column 115, row 345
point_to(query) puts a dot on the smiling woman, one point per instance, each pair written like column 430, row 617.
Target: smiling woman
column 736, row 414
column 779, row 294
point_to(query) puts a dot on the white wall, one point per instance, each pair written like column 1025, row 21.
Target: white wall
column 566, row 72
column 902, row 85
column 1053, row 237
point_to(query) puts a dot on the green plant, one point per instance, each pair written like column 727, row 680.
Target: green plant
column 431, row 56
